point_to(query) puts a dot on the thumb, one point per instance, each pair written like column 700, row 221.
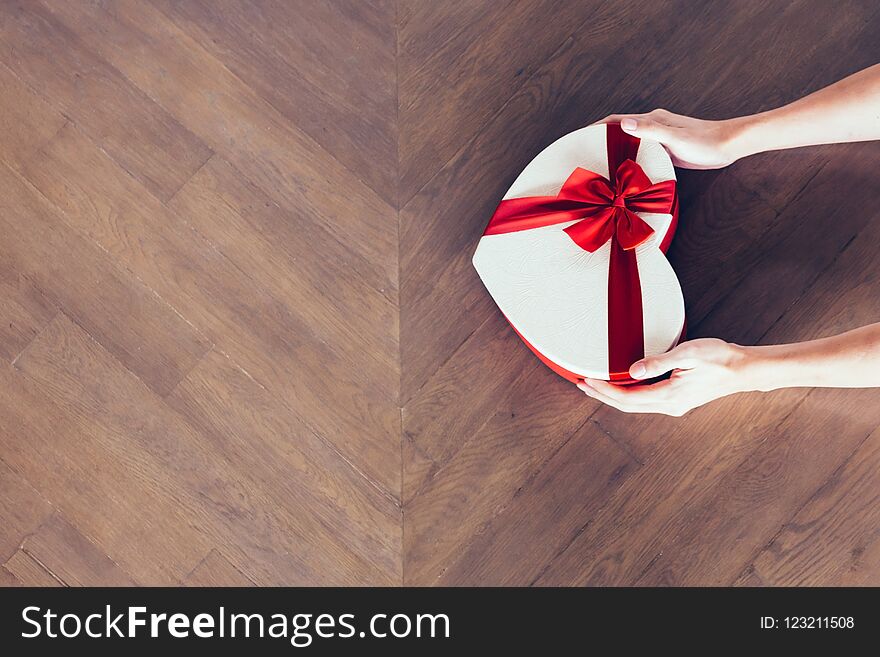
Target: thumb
column 648, row 368
column 644, row 127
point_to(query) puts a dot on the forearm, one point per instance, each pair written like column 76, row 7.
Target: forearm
column 848, row 360
column 846, row 111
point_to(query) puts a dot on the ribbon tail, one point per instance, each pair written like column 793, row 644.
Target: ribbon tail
column 626, row 332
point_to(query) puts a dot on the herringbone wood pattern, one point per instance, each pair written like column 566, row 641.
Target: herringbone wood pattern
column 242, row 341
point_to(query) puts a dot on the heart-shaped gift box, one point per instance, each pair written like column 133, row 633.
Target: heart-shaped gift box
column 574, row 255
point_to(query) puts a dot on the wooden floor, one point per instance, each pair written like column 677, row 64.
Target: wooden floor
column 243, row 343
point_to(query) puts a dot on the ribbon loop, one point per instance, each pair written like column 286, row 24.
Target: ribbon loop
column 603, row 208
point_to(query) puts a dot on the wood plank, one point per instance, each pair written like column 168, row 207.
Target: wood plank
column 29, row 572
column 24, row 311
column 312, row 275
column 26, row 120
column 8, row 580
column 750, row 578
column 620, row 541
column 299, row 56
column 721, row 229
column 145, row 140
column 445, row 414
column 820, row 221
column 535, row 415
column 447, row 96
column 425, row 27
column 333, row 387
column 26, row 123
column 263, row 437
column 752, row 502
column 72, row 557
column 22, row 510
column 832, row 540
column 155, row 342
column 99, row 481
column 215, row 570
column 271, row 541
column 546, row 514
column 232, row 119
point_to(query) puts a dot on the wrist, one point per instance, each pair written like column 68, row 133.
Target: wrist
column 771, row 367
column 741, row 136
column 745, row 365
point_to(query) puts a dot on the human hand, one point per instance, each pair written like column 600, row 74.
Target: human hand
column 702, row 370
column 691, row 143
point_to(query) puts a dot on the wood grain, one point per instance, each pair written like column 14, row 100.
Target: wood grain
column 8, row 580
column 546, row 514
column 491, row 360
column 832, row 540
column 771, row 484
column 150, row 144
column 264, row 332
column 228, row 115
column 311, row 276
column 23, row 510
column 215, row 570
column 242, row 342
column 24, row 311
column 303, row 70
column 448, row 94
column 155, row 342
column 303, row 471
column 238, row 509
column 82, row 466
column 29, row 572
column 71, row 557
column 535, row 416
column 27, row 121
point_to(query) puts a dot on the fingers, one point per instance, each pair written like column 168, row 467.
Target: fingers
column 615, row 118
column 653, row 125
column 589, row 391
column 655, row 398
column 680, row 357
column 645, row 127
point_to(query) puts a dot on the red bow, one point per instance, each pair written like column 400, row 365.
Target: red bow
column 604, row 209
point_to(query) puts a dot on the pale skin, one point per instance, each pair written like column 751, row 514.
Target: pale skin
column 706, row 369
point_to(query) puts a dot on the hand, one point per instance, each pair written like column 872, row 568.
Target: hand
column 691, row 143
column 702, row 370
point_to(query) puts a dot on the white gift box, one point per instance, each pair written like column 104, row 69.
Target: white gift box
column 555, row 293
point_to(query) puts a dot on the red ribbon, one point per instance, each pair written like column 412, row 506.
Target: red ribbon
column 607, row 212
